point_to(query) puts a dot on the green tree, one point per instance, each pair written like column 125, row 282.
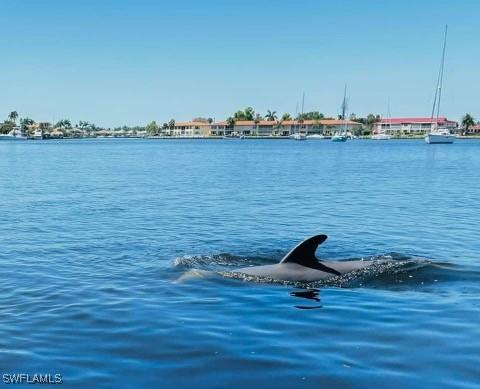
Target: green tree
column 258, row 119
column 84, row 125
column 247, row 114
column 467, row 122
column 271, row 115
column 202, row 120
column 12, row 116
column 152, row 128
column 371, row 120
column 239, row 115
column 64, row 124
column 314, row 115
column 25, row 122
column 278, row 126
column 230, row 122
column 286, row 116
column 6, row 127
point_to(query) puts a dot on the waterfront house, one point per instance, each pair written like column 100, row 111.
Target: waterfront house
column 284, row 128
column 412, row 125
column 188, row 129
column 472, row 130
column 219, row 129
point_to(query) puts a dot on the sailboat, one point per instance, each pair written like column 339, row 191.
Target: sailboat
column 341, row 136
column 299, row 135
column 439, row 134
column 382, row 135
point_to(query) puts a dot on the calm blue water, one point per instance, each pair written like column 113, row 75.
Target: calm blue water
column 106, row 247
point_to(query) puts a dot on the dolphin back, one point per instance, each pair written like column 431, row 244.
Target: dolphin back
column 304, row 254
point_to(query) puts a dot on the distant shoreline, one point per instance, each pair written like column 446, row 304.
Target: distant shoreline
column 173, row 138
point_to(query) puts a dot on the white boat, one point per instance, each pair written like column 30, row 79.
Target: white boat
column 299, row 136
column 17, row 133
column 315, row 136
column 342, row 136
column 439, row 134
column 381, row 136
column 234, row 135
column 38, row 134
column 339, row 137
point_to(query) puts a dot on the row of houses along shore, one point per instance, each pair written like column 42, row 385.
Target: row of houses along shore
column 411, row 126
column 392, row 126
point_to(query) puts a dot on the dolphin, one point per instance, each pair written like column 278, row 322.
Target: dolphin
column 301, row 265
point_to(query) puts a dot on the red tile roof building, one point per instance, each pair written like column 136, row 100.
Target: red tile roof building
column 285, row 127
column 412, row 125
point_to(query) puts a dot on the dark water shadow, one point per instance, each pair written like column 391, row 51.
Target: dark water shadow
column 309, row 294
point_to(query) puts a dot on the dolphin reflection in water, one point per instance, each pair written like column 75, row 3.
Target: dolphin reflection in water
column 301, row 265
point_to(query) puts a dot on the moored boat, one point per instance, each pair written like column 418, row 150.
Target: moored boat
column 342, row 136
column 381, row 136
column 299, row 136
column 441, row 135
column 38, row 134
column 315, row 136
column 234, row 135
column 17, row 133
column 438, row 134
column 339, row 137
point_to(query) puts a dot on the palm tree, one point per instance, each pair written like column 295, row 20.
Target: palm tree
column 230, row 122
column 84, row 125
column 278, row 126
column 249, row 113
column 467, row 122
column 25, row 122
column 171, row 124
column 286, row 116
column 271, row 115
column 64, row 124
column 257, row 120
column 12, row 116
column 152, row 128
column 371, row 120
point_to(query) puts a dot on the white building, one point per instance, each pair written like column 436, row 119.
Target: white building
column 414, row 126
column 188, row 129
column 283, row 128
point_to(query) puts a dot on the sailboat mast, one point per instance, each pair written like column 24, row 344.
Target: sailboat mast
column 303, row 102
column 295, row 120
column 438, row 89
column 344, row 109
column 441, row 71
column 303, row 105
column 389, row 115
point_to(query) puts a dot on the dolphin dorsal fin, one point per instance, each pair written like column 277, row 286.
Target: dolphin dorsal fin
column 304, row 254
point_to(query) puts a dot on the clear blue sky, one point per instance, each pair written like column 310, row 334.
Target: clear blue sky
column 118, row 62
